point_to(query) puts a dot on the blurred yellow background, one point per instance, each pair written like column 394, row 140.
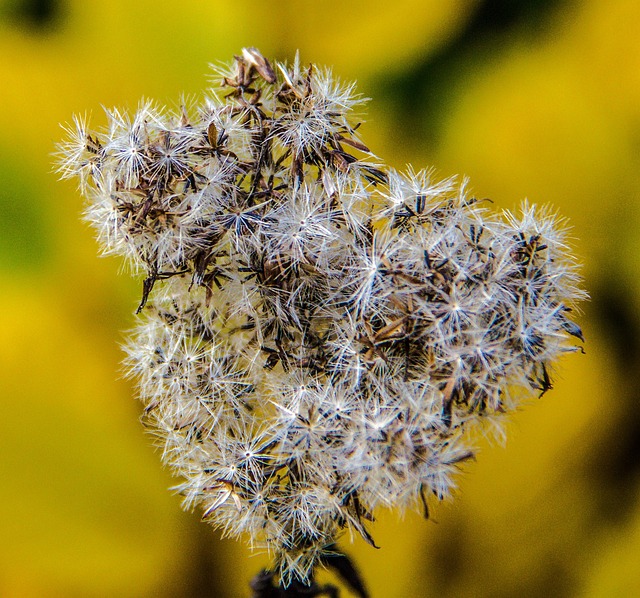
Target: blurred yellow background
column 529, row 98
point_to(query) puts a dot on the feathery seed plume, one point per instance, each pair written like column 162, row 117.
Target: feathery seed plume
column 317, row 333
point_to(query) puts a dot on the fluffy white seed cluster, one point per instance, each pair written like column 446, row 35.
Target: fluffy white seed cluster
column 318, row 334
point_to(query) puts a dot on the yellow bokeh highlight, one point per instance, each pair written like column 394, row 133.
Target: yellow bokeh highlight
column 85, row 508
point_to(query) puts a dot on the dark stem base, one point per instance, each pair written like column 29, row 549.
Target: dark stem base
column 265, row 584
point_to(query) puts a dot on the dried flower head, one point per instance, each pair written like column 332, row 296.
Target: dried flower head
column 318, row 334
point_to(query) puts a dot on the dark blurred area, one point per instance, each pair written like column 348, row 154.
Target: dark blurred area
column 425, row 86
column 35, row 15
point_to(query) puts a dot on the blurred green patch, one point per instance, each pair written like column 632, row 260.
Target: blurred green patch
column 25, row 241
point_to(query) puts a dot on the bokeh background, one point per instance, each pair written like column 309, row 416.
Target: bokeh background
column 529, row 98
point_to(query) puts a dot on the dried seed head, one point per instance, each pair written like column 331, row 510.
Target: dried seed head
column 318, row 334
